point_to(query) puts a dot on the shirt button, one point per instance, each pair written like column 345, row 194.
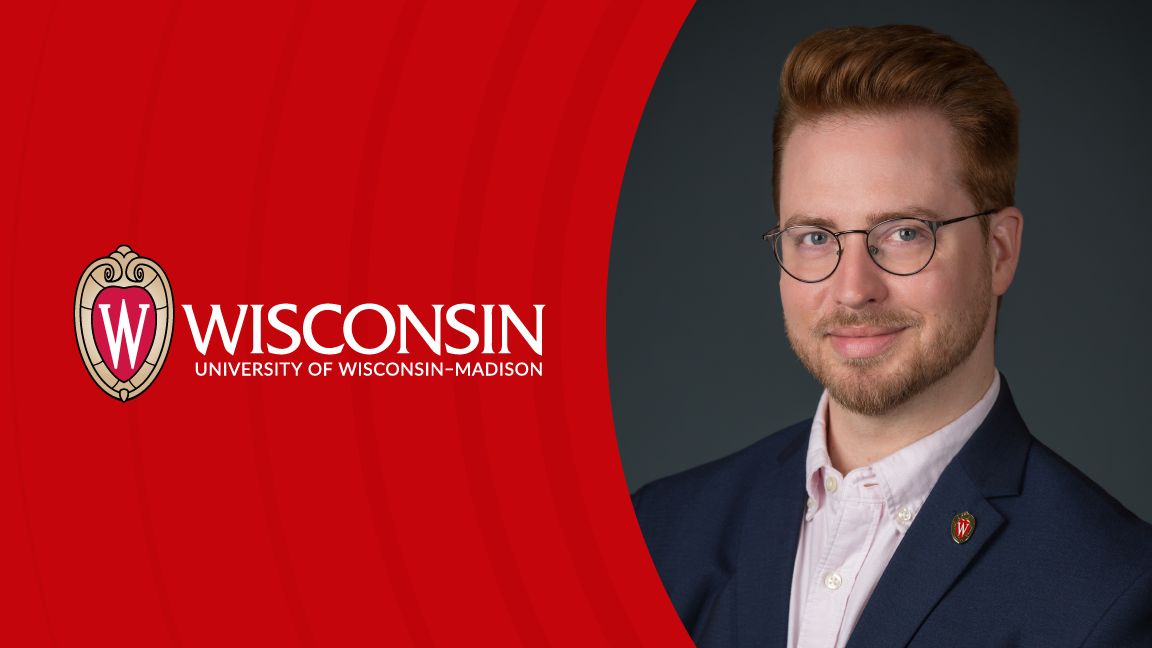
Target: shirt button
column 830, row 484
column 904, row 514
column 810, row 503
column 833, row 581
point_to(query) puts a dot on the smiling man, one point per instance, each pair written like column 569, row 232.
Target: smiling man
column 914, row 508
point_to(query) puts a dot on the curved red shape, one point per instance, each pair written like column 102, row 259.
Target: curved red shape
column 440, row 153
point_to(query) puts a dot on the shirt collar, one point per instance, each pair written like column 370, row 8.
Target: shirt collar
column 905, row 477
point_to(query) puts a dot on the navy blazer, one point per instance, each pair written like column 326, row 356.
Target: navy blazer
column 1053, row 559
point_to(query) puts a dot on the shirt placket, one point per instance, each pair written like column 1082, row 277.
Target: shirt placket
column 855, row 514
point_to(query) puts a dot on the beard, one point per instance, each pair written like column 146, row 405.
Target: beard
column 863, row 385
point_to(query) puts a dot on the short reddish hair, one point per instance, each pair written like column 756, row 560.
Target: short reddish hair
column 878, row 70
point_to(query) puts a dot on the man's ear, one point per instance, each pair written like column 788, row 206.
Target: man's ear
column 1007, row 228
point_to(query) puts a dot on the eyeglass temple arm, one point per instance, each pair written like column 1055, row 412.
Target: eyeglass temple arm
column 935, row 225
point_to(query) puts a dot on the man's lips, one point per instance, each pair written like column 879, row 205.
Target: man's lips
column 863, row 341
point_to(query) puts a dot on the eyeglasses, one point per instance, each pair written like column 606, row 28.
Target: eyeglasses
column 900, row 246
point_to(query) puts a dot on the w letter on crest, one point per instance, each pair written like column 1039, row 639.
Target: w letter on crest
column 123, row 322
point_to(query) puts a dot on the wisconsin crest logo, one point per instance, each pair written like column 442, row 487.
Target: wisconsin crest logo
column 962, row 527
column 123, row 322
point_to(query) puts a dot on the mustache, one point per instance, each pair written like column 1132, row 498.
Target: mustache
column 870, row 317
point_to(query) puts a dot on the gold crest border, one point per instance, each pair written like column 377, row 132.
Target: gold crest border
column 123, row 269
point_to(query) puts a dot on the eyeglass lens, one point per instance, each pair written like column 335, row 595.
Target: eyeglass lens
column 902, row 246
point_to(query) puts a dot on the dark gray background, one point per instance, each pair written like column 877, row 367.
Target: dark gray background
column 699, row 366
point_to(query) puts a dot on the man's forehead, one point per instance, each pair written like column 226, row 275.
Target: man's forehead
column 855, row 174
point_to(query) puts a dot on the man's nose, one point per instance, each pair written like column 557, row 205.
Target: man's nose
column 857, row 280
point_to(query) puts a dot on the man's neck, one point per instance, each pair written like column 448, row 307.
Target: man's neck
column 856, row 440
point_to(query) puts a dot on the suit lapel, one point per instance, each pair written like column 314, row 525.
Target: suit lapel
column 768, row 542
column 928, row 561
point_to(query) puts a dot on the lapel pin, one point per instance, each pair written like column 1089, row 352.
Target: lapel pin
column 962, row 527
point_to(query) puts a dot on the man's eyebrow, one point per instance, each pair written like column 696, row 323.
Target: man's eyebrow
column 922, row 213
column 808, row 220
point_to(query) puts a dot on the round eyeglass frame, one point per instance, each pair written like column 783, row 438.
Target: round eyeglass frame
column 774, row 234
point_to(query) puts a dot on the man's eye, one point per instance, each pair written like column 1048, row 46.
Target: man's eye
column 906, row 234
column 814, row 238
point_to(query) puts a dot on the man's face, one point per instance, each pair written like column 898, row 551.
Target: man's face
column 874, row 339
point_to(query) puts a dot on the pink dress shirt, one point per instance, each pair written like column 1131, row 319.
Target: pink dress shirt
column 854, row 523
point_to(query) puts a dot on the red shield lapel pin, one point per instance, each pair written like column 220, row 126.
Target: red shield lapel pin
column 123, row 322
column 962, row 527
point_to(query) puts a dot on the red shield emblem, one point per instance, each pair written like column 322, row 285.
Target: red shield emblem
column 962, row 527
column 123, row 322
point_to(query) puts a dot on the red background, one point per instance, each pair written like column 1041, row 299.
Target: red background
column 404, row 153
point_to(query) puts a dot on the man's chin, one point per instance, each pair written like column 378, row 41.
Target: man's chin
column 871, row 391
column 873, row 385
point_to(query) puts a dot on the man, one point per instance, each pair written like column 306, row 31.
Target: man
column 914, row 509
